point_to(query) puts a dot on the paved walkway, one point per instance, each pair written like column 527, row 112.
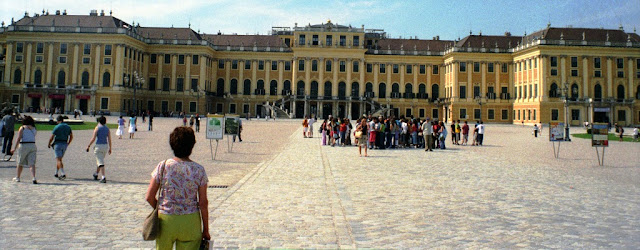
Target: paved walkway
column 311, row 196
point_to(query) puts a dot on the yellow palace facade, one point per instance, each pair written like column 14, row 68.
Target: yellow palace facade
column 99, row 63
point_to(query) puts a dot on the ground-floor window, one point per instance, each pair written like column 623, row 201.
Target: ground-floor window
column 421, row 112
column 407, row 113
column 219, row 108
column 104, row 103
column 518, row 114
column 165, row 106
column 476, row 114
column 15, row 99
column 529, row 114
column 245, row 108
column 505, row 114
column 434, row 113
column 178, row 106
column 232, row 108
column 514, row 114
column 491, row 114
column 554, row 114
column 192, row 107
column 622, row 115
column 463, row 113
column 575, row 114
column 534, row 114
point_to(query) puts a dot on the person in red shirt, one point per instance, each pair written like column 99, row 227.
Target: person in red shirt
column 465, row 133
column 343, row 130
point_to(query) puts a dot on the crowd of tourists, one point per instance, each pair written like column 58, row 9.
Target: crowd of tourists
column 394, row 132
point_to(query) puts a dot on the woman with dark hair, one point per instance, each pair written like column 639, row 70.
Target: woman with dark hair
column 103, row 145
column 182, row 200
column 361, row 131
column 27, row 151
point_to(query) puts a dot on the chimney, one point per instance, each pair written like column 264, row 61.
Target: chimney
column 507, row 33
column 57, row 12
column 101, row 12
column 438, row 38
column 64, row 13
column 93, row 13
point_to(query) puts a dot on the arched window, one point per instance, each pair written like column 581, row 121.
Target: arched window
column 37, row 77
column 106, row 79
column 574, row 91
column 327, row 88
column 408, row 90
column 314, row 89
column 300, row 88
column 273, row 87
column 246, row 87
column 355, row 89
column 233, row 87
column 597, row 92
column 61, row 79
column 368, row 90
column 342, row 89
column 395, row 90
column 220, row 87
column 435, row 91
column 620, row 92
column 286, row 88
column 260, row 87
column 553, row 91
column 422, row 91
column 382, row 90
column 17, row 76
column 85, row 78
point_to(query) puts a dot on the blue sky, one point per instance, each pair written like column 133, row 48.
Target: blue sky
column 425, row 19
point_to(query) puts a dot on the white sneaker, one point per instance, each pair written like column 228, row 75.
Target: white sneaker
column 16, row 179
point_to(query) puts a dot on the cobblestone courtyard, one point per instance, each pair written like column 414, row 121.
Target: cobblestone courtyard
column 289, row 192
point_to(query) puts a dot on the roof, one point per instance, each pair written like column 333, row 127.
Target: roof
column 245, row 40
column 481, row 41
column 411, row 44
column 587, row 34
column 73, row 21
column 168, row 33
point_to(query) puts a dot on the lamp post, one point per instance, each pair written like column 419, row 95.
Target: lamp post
column 565, row 93
column 479, row 101
column 138, row 82
column 197, row 91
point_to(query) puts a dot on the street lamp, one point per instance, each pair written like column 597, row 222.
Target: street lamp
column 479, row 101
column 197, row 91
column 565, row 93
column 138, row 82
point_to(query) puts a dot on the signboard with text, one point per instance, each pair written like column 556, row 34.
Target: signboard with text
column 215, row 127
column 556, row 131
column 600, row 135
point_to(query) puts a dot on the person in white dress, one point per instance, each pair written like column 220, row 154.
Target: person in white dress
column 120, row 130
column 132, row 126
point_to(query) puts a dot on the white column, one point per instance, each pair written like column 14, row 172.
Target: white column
column 27, row 71
column 96, row 67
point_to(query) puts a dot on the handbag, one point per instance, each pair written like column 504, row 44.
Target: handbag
column 358, row 134
column 204, row 244
column 151, row 225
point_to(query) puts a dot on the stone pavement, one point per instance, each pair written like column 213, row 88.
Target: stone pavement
column 510, row 193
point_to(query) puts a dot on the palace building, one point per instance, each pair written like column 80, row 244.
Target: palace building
column 99, row 62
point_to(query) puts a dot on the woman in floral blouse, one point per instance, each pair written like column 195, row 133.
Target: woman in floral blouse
column 183, row 203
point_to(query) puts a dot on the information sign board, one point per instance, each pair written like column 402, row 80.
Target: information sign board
column 215, row 127
column 600, row 135
column 232, row 124
column 556, row 131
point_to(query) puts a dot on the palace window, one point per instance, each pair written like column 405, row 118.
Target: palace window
column 62, row 59
column 314, row 65
column 87, row 49
column 301, row 40
column 435, row 69
column 343, row 66
column 343, row 40
column 300, row 65
column 195, row 59
column 63, row 48
column 154, row 58
column 574, row 61
column 597, row 73
column 287, row 65
column 369, row 67
column 554, row 114
column 476, row 67
column 356, row 40
column 463, row 66
column 554, row 61
column 409, row 69
column 574, row 72
column 383, row 68
column 274, row 65
column 247, row 64
column 180, row 59
column 18, row 58
column 505, row 114
column 86, row 60
column 355, row 66
column 328, row 66
column 165, row 84
column 505, row 68
column 221, row 64
column 180, row 84
column 596, row 62
column 39, row 48
column 395, row 69
column 463, row 113
column 167, row 59
column 554, row 72
column 314, row 40
column 620, row 63
column 329, row 40
column 423, row 69
column 476, row 114
column 260, row 65
column 234, row 64
column 152, row 83
column 490, row 68
column 107, row 50
column 463, row 92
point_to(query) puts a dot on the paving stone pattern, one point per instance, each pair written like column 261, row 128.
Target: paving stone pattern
column 290, row 192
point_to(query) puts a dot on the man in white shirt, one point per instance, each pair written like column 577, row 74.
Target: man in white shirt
column 480, row 133
column 427, row 131
column 311, row 121
column 635, row 134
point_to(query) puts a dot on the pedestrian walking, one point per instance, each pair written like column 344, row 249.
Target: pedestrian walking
column 8, row 121
column 427, row 133
column 150, row 121
column 198, row 123
column 61, row 137
column 102, row 137
column 535, row 130
column 305, row 126
column 120, row 130
column 361, row 135
column 132, row 126
column 480, row 133
column 26, row 148
column 192, row 121
column 635, row 134
column 183, row 208
column 620, row 132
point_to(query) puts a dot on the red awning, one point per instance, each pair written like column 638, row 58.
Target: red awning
column 83, row 97
column 56, row 96
column 34, row 95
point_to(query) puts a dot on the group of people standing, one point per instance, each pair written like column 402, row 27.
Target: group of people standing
column 396, row 132
column 60, row 138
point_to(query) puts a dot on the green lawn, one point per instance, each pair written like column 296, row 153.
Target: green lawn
column 612, row 137
column 85, row 126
